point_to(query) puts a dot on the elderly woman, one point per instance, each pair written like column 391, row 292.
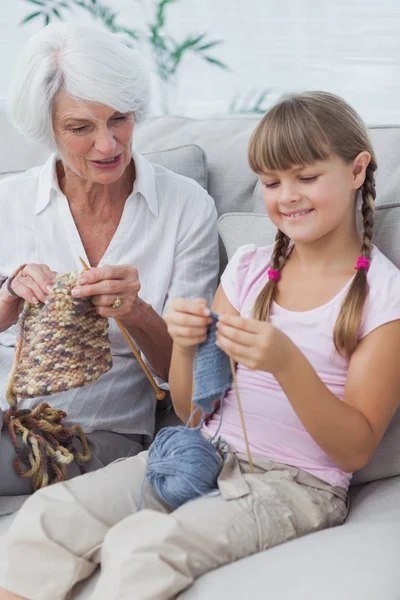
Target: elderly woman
column 148, row 234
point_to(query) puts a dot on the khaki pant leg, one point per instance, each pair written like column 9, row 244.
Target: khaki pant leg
column 154, row 556
column 56, row 537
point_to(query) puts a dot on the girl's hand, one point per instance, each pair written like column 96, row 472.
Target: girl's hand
column 254, row 344
column 187, row 322
column 110, row 286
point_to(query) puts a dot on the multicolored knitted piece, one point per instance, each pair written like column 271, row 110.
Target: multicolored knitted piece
column 62, row 344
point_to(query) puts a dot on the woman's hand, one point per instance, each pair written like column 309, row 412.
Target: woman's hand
column 110, row 286
column 32, row 283
column 187, row 322
column 254, row 344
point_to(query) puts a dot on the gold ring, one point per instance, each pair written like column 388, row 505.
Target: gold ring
column 117, row 302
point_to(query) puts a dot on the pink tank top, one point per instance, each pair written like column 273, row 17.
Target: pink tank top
column 275, row 432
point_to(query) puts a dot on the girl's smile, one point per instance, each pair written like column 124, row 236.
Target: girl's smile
column 297, row 215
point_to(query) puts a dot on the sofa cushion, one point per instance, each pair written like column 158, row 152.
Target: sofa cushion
column 188, row 160
column 237, row 229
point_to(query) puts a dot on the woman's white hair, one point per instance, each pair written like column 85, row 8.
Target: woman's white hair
column 88, row 63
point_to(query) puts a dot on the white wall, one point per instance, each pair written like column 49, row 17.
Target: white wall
column 351, row 47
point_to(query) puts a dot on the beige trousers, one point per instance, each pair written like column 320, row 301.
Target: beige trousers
column 64, row 532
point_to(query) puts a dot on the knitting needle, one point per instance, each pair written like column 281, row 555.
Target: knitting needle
column 160, row 394
column 191, row 423
column 246, row 439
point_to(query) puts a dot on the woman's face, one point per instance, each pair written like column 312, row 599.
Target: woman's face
column 93, row 140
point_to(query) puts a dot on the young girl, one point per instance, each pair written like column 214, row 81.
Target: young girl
column 317, row 345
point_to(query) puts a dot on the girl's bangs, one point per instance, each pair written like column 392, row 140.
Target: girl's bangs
column 283, row 140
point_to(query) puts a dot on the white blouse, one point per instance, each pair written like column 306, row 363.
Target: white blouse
column 167, row 231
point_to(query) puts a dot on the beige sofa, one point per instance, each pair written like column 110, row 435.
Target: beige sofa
column 358, row 561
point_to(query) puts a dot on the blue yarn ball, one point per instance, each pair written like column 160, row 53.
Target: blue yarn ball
column 182, row 465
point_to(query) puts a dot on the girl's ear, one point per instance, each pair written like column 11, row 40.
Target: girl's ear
column 359, row 167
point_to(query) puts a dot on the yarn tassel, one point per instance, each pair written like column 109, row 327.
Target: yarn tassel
column 44, row 447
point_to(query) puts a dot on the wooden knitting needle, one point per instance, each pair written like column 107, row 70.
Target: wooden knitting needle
column 191, row 423
column 160, row 394
column 246, row 439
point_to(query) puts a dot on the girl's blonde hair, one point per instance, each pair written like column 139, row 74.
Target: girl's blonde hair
column 299, row 130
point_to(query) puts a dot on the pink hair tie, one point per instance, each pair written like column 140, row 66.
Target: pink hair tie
column 362, row 263
column 274, row 274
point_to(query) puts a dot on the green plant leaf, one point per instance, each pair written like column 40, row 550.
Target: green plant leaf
column 217, row 63
column 196, row 45
column 260, row 100
column 57, row 13
column 36, row 2
column 188, row 44
column 46, row 20
column 160, row 14
column 210, row 45
column 157, row 40
column 30, row 17
column 191, row 42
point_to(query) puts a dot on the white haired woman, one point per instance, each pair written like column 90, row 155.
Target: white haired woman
column 148, row 234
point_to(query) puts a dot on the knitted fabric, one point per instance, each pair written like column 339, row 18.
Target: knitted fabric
column 212, row 371
column 62, row 344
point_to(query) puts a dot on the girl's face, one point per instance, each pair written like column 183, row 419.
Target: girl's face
column 308, row 202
